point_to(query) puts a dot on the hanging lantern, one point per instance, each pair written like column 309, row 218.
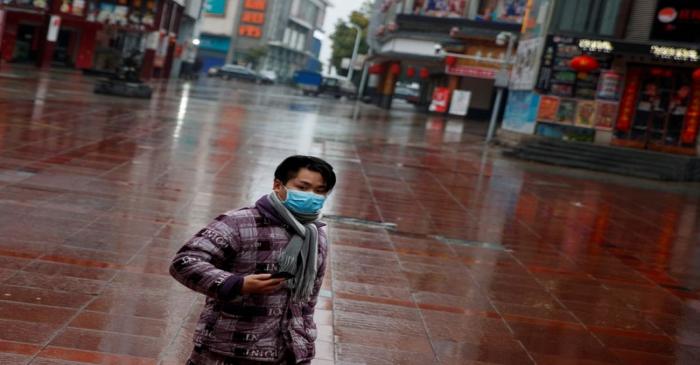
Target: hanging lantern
column 450, row 60
column 584, row 63
column 696, row 74
column 395, row 69
column 377, row 68
column 424, row 73
column 411, row 71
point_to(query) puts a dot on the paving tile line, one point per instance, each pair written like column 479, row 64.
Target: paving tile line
column 108, row 282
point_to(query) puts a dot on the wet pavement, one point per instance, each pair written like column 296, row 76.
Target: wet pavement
column 481, row 260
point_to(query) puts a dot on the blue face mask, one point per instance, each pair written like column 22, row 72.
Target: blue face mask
column 303, row 202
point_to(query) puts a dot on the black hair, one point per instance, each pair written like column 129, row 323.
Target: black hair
column 289, row 168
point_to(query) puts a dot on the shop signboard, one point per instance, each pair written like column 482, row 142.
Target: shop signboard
column 521, row 111
column 460, row 102
column 471, row 71
column 252, row 18
column 676, row 21
column 215, row 7
column 441, row 98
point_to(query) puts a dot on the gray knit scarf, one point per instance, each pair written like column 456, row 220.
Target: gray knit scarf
column 300, row 255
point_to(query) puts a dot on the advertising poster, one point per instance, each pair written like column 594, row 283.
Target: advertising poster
column 460, row 102
column 609, row 85
column 441, row 97
column 521, row 111
column 548, row 108
column 566, row 111
column 605, row 114
column 446, row 8
column 585, row 114
column 524, row 71
column 507, row 11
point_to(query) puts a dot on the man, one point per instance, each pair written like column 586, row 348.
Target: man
column 261, row 269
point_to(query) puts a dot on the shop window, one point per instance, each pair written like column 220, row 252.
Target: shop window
column 594, row 17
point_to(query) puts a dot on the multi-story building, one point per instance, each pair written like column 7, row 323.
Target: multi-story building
column 623, row 73
column 94, row 34
column 280, row 32
column 409, row 40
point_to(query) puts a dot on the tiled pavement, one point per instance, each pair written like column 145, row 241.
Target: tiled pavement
column 492, row 261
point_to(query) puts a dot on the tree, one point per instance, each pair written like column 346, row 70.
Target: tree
column 344, row 37
column 254, row 55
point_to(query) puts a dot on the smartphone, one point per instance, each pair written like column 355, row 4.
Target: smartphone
column 282, row 275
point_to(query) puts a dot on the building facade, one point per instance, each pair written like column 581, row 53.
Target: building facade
column 410, row 39
column 265, row 35
column 642, row 89
column 93, row 34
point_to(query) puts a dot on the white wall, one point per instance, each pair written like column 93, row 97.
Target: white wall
column 221, row 25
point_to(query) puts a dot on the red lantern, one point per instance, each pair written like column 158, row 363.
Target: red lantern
column 395, row 69
column 424, row 73
column 696, row 74
column 584, row 63
column 411, row 71
column 376, row 68
column 450, row 60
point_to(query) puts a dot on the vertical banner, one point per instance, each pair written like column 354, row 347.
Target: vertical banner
column 2, row 27
column 692, row 116
column 629, row 99
column 54, row 26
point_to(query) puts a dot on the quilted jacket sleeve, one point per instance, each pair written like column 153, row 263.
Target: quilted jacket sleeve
column 197, row 265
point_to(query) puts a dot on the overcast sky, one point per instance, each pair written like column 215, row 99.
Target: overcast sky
column 339, row 9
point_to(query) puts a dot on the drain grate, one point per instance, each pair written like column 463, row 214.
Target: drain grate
column 360, row 222
column 476, row 244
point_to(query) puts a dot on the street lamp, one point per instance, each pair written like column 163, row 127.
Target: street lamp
column 502, row 79
column 358, row 34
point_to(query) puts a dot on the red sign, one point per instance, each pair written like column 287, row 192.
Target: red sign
column 252, row 18
column 441, row 98
column 629, row 100
column 2, row 25
column 692, row 117
column 471, row 71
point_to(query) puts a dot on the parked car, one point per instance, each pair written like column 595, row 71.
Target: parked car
column 228, row 72
column 309, row 82
column 408, row 92
column 338, row 87
column 268, row 77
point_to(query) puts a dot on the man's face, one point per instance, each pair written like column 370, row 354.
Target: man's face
column 306, row 180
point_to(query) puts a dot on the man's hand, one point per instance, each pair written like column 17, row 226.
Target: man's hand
column 260, row 284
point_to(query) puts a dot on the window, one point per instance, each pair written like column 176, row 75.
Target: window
column 594, row 17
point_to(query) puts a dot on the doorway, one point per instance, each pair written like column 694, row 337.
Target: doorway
column 662, row 102
column 27, row 45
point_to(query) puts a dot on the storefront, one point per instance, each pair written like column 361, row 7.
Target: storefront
column 86, row 34
column 609, row 92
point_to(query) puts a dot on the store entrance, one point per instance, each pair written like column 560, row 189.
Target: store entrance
column 662, row 102
column 27, row 44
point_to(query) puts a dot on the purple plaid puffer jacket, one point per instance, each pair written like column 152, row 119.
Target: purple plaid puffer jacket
column 252, row 327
